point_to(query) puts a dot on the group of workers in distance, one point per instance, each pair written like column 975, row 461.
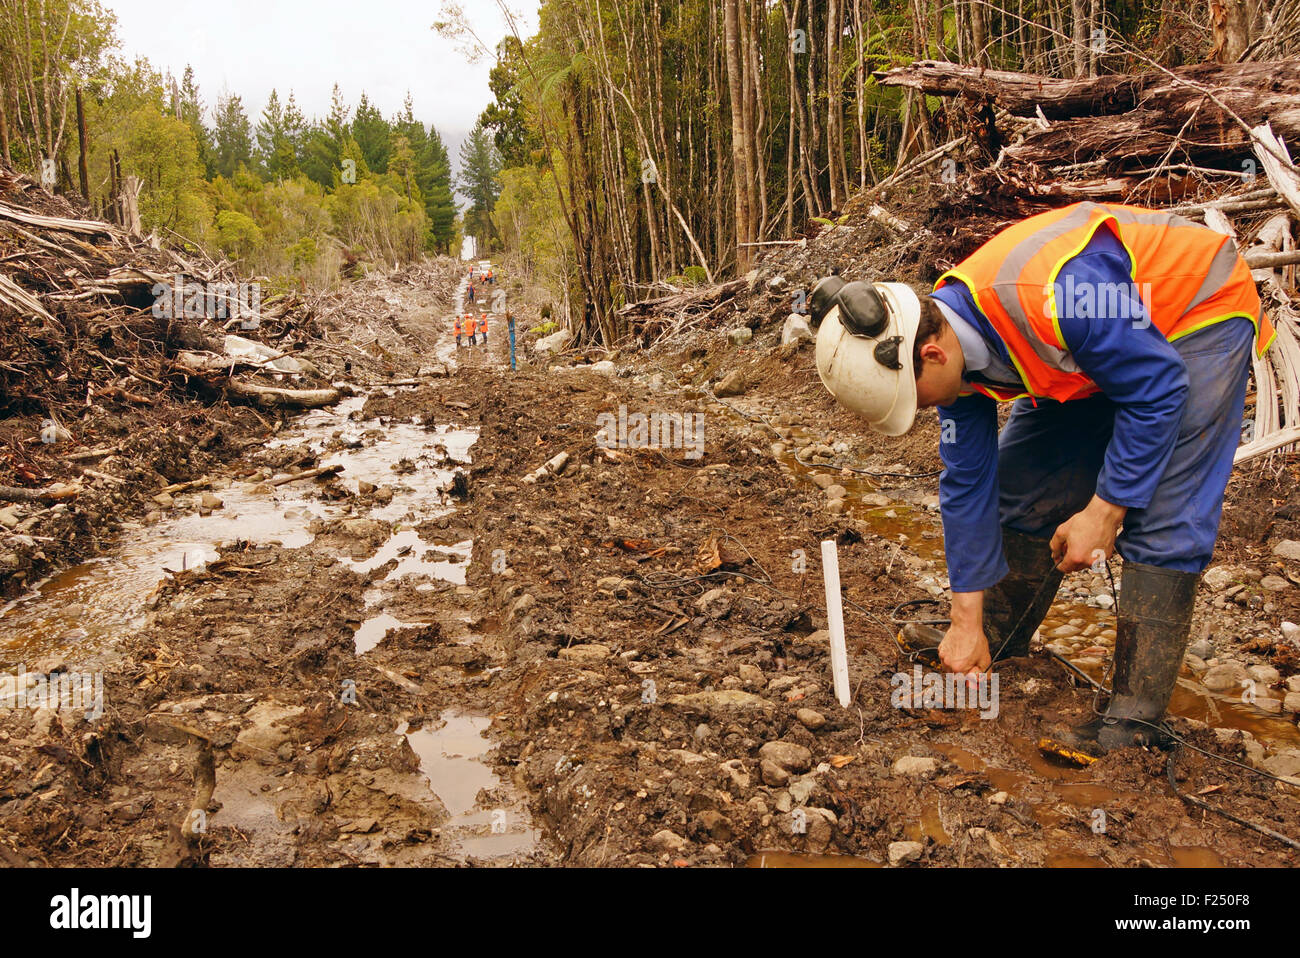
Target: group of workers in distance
column 471, row 325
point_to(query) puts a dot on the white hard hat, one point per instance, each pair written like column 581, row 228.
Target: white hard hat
column 865, row 359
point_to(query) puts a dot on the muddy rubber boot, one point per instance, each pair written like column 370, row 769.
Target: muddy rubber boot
column 1155, row 620
column 1013, row 608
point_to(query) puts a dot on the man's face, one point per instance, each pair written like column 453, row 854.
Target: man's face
column 942, row 364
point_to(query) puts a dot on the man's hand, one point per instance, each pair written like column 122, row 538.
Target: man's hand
column 965, row 649
column 1087, row 536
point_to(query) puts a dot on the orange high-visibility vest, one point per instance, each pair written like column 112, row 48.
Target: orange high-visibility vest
column 457, row 323
column 1187, row 276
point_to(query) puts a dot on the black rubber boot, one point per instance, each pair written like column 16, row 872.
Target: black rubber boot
column 1013, row 608
column 1155, row 620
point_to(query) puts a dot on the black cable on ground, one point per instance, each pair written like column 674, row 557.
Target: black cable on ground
column 1201, row 803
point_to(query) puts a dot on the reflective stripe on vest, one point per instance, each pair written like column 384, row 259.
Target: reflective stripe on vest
column 1186, row 275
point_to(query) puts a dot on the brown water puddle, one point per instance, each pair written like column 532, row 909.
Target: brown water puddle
column 451, row 758
column 88, row 606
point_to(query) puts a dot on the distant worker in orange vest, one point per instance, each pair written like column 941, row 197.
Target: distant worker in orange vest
column 482, row 326
column 471, row 292
column 459, row 331
column 1124, row 337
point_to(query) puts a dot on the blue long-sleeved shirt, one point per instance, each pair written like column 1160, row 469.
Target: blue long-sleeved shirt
column 1114, row 343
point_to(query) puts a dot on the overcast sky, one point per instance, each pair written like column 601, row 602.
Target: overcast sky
column 384, row 47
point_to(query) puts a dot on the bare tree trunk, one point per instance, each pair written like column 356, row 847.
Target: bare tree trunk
column 82, row 176
column 834, row 107
column 1079, row 46
column 739, row 135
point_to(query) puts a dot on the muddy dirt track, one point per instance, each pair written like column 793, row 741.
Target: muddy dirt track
column 428, row 660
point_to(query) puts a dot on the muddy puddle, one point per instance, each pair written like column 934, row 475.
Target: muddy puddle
column 487, row 818
column 81, row 610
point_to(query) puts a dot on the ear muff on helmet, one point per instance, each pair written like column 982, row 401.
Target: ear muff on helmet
column 822, row 299
column 862, row 311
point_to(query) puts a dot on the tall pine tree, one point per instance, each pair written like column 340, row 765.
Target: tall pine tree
column 480, row 163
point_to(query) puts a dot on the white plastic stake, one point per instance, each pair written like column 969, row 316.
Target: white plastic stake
column 835, row 620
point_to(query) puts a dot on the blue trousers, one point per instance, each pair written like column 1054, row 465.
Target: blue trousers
column 1049, row 456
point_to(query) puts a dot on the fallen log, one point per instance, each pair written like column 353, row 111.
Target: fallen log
column 1271, row 260
column 1205, row 110
column 85, row 227
column 704, row 296
column 1022, row 94
column 305, row 474
column 56, row 493
column 271, row 397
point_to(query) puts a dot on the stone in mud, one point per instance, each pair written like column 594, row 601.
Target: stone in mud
column 751, row 675
column 835, row 506
column 796, row 330
column 734, row 773
column 902, row 852
column 1266, row 703
column 522, row 605
column 1291, row 631
column 211, row 502
column 9, row 517
column 1274, row 583
column 915, row 766
column 365, row 488
column 733, row 384
column 1202, row 649
column 788, row 755
column 667, row 840
column 810, row 718
column 364, row 528
column 802, row 790
column 1232, row 736
column 739, row 336
column 714, row 824
column 836, row 492
column 1288, row 549
column 1220, row 577
column 588, row 653
column 1264, row 674
column 686, row 757
column 1292, row 701
column 552, row 343
column 773, row 775
column 267, row 733
column 720, row 699
column 1225, row 677
column 1285, row 764
column 820, row 823
column 165, row 500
